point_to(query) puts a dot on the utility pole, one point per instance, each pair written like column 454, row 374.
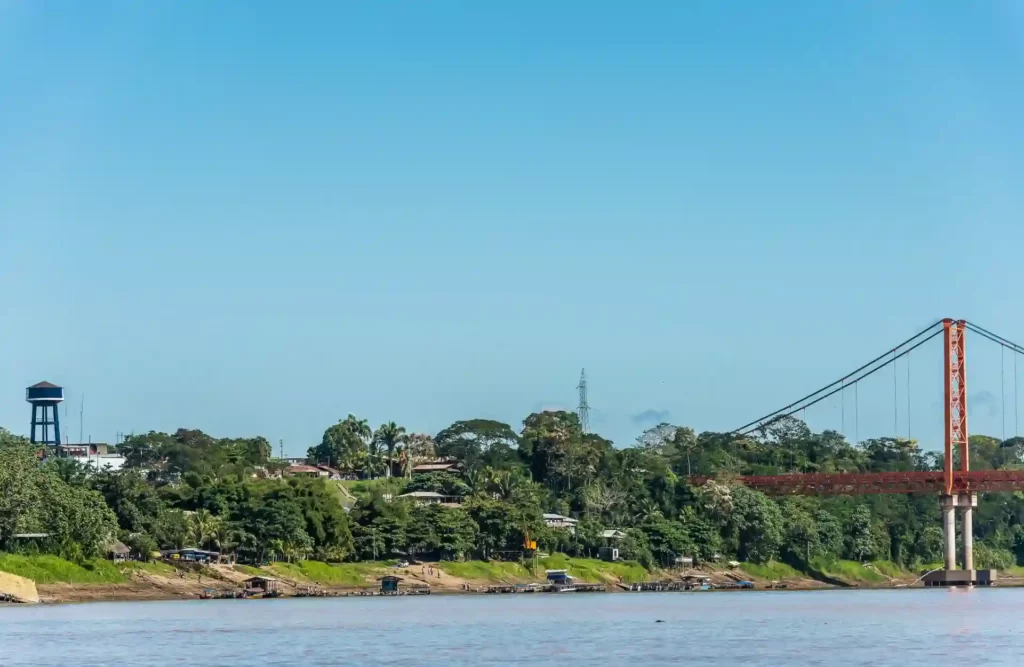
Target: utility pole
column 584, row 408
column 280, row 448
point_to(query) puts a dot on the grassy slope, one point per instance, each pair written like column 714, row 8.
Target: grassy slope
column 849, row 571
column 336, row 574
column 593, row 570
column 46, row 569
column 364, row 488
column 490, row 571
column 249, row 570
column 891, row 569
column 772, row 571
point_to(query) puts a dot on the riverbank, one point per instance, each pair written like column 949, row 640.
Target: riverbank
column 158, row 581
column 59, row 581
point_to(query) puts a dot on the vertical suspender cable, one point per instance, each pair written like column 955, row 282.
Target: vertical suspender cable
column 856, row 411
column 1016, row 432
column 908, row 397
column 1002, row 386
column 843, row 420
column 895, row 400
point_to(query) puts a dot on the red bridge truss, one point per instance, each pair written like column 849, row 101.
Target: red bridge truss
column 974, row 481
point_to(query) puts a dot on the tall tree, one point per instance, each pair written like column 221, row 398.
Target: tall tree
column 345, row 444
column 471, row 441
column 389, row 437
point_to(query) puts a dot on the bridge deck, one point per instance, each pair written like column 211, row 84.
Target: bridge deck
column 883, row 482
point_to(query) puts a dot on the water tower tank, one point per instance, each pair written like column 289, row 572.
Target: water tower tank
column 44, row 397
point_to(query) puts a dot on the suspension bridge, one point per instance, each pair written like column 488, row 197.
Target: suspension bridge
column 956, row 485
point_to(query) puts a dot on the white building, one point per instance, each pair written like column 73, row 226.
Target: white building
column 94, row 455
column 559, row 521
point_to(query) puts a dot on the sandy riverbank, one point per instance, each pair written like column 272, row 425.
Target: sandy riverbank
column 165, row 583
column 143, row 586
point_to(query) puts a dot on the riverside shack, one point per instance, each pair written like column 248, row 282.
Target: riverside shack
column 260, row 585
column 389, row 584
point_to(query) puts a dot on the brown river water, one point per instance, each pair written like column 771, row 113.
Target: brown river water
column 910, row 628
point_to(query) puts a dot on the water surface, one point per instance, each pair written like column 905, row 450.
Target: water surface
column 912, row 628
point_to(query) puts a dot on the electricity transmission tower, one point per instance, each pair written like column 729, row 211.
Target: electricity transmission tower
column 584, row 409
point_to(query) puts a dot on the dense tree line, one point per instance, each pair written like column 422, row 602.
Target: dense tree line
column 188, row 488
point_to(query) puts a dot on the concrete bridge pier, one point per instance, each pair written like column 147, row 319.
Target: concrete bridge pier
column 968, row 501
column 948, row 504
column 951, row 576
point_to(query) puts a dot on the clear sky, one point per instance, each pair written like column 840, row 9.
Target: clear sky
column 255, row 218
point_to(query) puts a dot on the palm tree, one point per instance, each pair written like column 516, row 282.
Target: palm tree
column 475, row 479
column 204, row 527
column 645, row 509
column 503, row 482
column 358, row 427
column 389, row 436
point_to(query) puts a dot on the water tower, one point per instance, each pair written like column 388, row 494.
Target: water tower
column 44, row 397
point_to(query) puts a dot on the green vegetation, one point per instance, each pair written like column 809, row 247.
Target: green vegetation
column 48, row 569
column 491, row 571
column 848, row 571
column 890, row 569
column 190, row 489
column 597, row 571
column 249, row 570
column 364, row 489
column 334, row 574
column 772, row 571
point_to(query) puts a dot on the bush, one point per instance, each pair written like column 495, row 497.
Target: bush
column 986, row 557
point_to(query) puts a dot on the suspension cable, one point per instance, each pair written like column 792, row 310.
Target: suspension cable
column 771, row 415
column 797, row 406
column 995, row 337
column 1002, row 387
column 909, row 433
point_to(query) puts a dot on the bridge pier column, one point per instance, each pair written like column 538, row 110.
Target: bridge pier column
column 949, row 529
column 967, row 502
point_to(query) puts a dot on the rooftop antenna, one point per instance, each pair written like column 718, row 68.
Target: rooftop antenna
column 584, row 409
column 81, row 419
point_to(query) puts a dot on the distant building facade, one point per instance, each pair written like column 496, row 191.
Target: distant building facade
column 96, row 455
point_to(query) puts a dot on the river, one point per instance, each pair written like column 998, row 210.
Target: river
column 912, row 628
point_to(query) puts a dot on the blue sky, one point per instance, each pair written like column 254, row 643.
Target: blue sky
column 255, row 219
